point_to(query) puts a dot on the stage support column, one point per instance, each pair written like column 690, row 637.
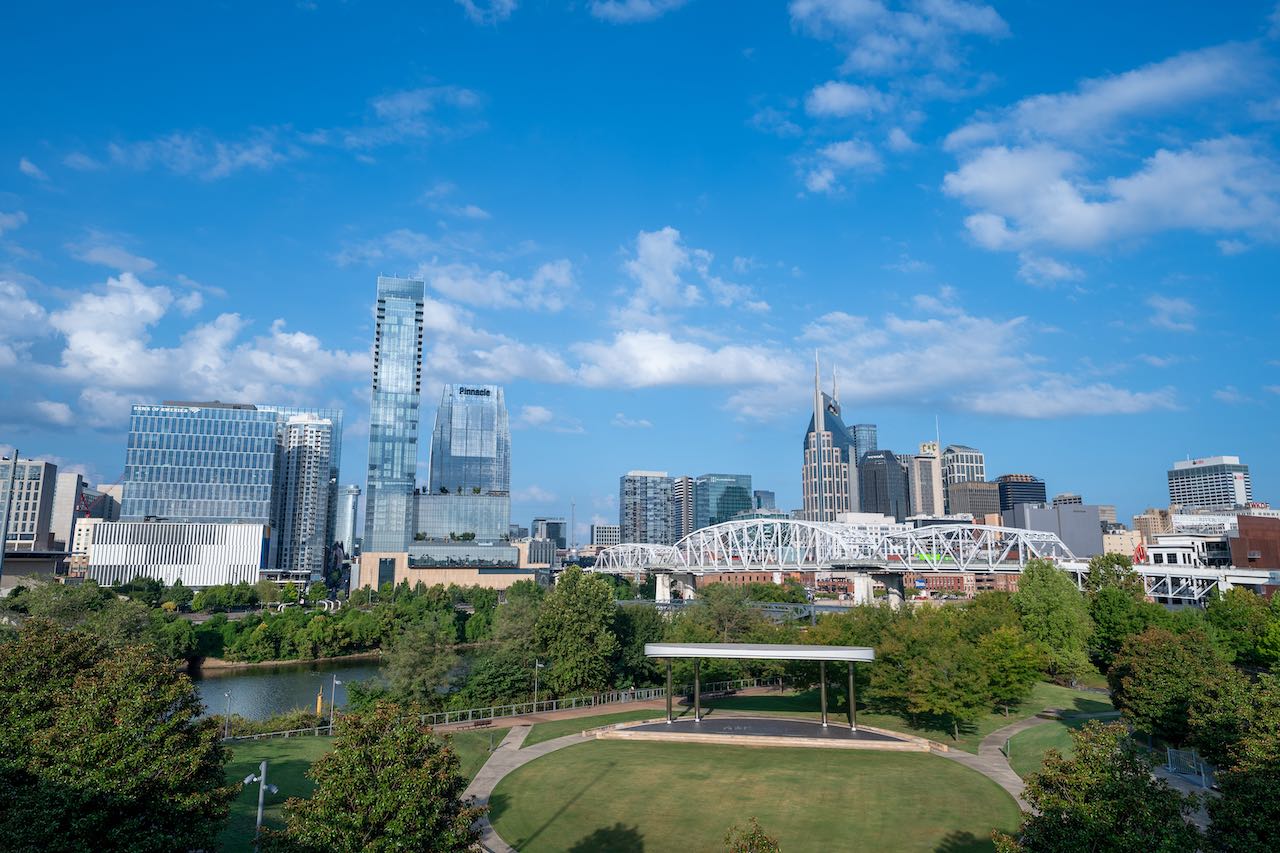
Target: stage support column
column 669, row 718
column 822, row 679
column 697, row 690
column 853, row 702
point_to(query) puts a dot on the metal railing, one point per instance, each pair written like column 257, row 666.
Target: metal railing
column 518, row 709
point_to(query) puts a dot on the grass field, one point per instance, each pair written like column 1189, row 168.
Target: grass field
column 559, row 728
column 619, row 796
column 288, row 760
column 1043, row 696
column 1027, row 748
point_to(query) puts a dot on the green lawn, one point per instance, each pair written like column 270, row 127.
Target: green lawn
column 1027, row 748
column 287, row 762
column 805, row 704
column 631, row 797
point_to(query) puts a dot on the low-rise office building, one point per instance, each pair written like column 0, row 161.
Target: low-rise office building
column 200, row 554
column 461, row 563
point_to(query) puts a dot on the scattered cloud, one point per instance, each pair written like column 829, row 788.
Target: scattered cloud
column 1042, row 195
column 200, row 154
column 1172, row 313
column 99, row 248
column 1160, row 361
column 906, row 263
column 437, row 198
column 1063, row 398
column 532, row 416
column 838, row 99
column 647, row 359
column 488, row 12
column 1231, row 395
column 1232, row 247
column 622, row 421
column 533, row 494
column 1103, row 104
column 1039, row 269
column 81, row 162
column 878, row 39
column 31, row 170
column 632, row 11
column 10, row 221
column 900, row 141
column 775, row 121
column 546, row 289
column 824, row 172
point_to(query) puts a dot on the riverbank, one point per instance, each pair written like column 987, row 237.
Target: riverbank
column 213, row 666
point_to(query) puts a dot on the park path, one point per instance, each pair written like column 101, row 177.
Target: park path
column 991, row 761
column 507, row 757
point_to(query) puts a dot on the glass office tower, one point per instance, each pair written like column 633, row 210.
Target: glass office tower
column 719, row 497
column 471, row 443
column 393, row 415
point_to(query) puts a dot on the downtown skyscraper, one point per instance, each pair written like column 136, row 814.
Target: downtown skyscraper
column 393, row 415
column 829, row 475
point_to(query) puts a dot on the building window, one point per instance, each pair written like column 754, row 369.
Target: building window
column 1157, row 558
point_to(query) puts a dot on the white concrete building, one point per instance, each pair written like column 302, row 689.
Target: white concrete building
column 200, row 554
column 604, row 535
column 1211, row 482
column 305, row 493
column 30, row 520
column 924, row 475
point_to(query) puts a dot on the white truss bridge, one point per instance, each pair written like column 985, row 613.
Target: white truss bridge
column 782, row 545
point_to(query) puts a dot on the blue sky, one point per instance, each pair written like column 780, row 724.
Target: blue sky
column 1052, row 226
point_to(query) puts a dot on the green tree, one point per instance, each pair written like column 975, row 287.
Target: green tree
column 1245, row 817
column 1010, row 663
column 289, row 593
column 496, row 678
column 1102, row 798
column 635, row 626
column 316, row 593
column 179, row 594
column 1054, row 614
column 1114, row 571
column 388, row 784
column 751, row 839
column 1241, row 619
column 725, row 611
column 104, row 748
column 575, row 631
column 949, row 682
column 1117, row 615
column 1155, row 676
column 422, row 660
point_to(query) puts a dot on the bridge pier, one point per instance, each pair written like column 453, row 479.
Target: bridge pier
column 662, row 591
column 863, row 589
column 684, row 586
column 895, row 588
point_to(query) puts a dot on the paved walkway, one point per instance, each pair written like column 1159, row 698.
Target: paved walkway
column 507, row 757
column 991, row 761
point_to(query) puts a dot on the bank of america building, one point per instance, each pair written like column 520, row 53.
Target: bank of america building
column 252, row 489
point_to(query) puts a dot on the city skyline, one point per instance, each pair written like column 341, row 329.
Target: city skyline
column 628, row 303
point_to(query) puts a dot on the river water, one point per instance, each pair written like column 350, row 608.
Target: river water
column 262, row 692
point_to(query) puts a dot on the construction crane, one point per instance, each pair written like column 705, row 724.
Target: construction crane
column 86, row 507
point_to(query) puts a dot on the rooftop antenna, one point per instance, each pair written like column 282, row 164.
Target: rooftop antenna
column 835, row 392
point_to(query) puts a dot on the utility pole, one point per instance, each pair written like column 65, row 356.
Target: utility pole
column 333, row 694
column 8, row 504
column 227, row 718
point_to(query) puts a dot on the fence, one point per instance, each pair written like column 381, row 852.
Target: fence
column 497, row 712
column 1188, row 764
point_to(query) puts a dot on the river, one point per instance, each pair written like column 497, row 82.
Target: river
column 262, row 692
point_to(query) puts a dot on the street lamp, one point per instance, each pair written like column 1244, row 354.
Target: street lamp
column 226, row 728
column 537, row 665
column 263, row 787
column 333, row 707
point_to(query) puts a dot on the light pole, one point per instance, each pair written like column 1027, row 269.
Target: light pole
column 537, row 665
column 8, row 504
column 226, row 729
column 333, row 693
column 263, row 787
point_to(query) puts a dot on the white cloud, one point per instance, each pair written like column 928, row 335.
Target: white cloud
column 547, row 289
column 881, row 40
column 1040, row 195
column 657, row 268
column 1160, row 361
column 532, row 416
column 1062, row 398
column 1101, row 104
column 837, row 159
column 488, row 12
column 203, row 155
column 632, row 11
column 775, row 121
column 622, row 421
column 31, row 170
column 1040, row 269
column 645, row 359
column 98, row 248
column 1173, row 313
column 53, row 412
column 838, row 99
column 10, row 221
column 81, row 162
column 21, row 319
column 534, row 494
column 1232, row 247
column 107, row 350
column 900, row 141
column 1231, row 395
